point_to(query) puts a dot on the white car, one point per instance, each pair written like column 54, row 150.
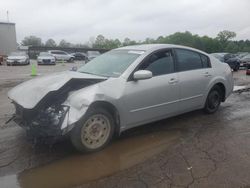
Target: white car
column 61, row 55
column 119, row 90
column 46, row 58
column 18, row 58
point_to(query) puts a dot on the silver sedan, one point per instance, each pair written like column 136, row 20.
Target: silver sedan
column 119, row 90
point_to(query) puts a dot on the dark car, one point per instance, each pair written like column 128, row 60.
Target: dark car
column 79, row 56
column 1, row 59
column 245, row 60
column 232, row 60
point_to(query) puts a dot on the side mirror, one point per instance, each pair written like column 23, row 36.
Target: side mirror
column 142, row 75
column 74, row 68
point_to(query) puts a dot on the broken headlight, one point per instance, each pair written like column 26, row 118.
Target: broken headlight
column 53, row 115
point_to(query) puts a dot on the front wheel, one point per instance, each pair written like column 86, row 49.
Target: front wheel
column 213, row 100
column 94, row 131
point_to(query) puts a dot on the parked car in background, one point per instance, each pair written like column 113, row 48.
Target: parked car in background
column 151, row 82
column 1, row 59
column 18, row 58
column 91, row 55
column 241, row 54
column 245, row 60
column 61, row 55
column 232, row 60
column 45, row 58
column 79, row 56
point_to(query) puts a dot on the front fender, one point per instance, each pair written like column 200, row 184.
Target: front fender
column 79, row 102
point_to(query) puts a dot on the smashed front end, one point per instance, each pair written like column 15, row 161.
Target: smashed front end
column 43, row 110
column 42, row 123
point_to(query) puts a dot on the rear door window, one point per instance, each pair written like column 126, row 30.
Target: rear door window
column 188, row 60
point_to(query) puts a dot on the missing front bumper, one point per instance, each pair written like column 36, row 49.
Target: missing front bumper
column 48, row 123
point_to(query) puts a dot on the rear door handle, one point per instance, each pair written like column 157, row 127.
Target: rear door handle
column 207, row 74
column 173, row 81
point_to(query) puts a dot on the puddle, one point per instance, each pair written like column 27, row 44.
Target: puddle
column 236, row 88
column 79, row 169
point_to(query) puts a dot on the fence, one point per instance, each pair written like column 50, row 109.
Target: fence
column 33, row 51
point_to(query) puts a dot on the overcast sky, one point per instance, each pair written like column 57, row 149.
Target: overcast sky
column 78, row 20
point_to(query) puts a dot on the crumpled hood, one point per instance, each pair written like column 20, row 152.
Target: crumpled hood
column 29, row 93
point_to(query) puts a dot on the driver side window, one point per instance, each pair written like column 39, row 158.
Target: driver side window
column 159, row 63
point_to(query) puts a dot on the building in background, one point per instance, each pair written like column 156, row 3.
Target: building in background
column 8, row 41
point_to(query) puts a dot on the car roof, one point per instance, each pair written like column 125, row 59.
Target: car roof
column 152, row 47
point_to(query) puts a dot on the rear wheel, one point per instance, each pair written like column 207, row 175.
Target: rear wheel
column 237, row 67
column 94, row 131
column 213, row 101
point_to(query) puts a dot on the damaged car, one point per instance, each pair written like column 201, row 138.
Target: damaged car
column 119, row 90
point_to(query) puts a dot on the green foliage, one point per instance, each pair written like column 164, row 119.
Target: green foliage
column 32, row 41
column 64, row 43
column 225, row 36
column 50, row 43
column 222, row 43
column 102, row 42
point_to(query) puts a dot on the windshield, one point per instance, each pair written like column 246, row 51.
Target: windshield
column 44, row 54
column 111, row 64
column 17, row 54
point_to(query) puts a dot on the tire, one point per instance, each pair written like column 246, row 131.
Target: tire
column 71, row 59
column 213, row 100
column 94, row 131
column 236, row 68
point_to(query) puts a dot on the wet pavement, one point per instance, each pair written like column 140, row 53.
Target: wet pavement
column 190, row 150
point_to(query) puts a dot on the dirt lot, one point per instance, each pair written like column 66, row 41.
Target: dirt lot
column 191, row 150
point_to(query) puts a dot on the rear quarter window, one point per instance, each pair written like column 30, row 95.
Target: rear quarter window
column 205, row 61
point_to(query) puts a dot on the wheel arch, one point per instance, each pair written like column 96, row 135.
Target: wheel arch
column 223, row 90
column 221, row 85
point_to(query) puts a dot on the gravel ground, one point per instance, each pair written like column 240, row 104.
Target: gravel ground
column 191, row 150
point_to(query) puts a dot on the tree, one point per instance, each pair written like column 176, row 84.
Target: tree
column 50, row 43
column 223, row 42
column 99, row 42
column 79, row 45
column 64, row 43
column 31, row 41
column 128, row 42
column 225, row 36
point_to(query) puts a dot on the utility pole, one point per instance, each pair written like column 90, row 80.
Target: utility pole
column 8, row 16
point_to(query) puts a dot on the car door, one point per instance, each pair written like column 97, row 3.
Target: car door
column 63, row 56
column 194, row 73
column 57, row 55
column 154, row 98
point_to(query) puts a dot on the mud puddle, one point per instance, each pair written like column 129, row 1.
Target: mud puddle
column 79, row 169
